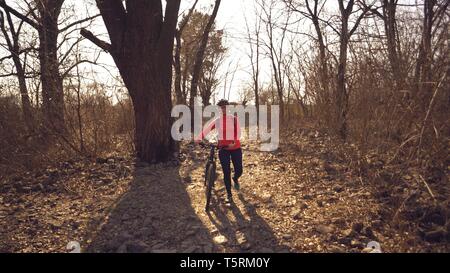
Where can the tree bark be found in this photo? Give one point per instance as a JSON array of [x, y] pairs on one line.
[[52, 82], [342, 95]]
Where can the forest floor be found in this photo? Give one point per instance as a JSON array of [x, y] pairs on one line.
[[308, 196]]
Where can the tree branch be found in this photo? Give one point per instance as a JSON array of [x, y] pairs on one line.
[[188, 16], [78, 22], [25, 50], [18, 14], [65, 73], [358, 20], [91, 37], [114, 16]]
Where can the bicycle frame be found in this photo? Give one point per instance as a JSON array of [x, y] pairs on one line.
[[212, 153], [210, 173], [211, 157]]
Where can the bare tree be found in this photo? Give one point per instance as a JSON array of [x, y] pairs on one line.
[[389, 17], [297, 77], [179, 94], [201, 52], [433, 14], [344, 37], [11, 35], [45, 21], [275, 47], [213, 60], [313, 12], [253, 39], [142, 39], [191, 38]]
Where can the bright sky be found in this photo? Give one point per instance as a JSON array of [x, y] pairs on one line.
[[231, 18]]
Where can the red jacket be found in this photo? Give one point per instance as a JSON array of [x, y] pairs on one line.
[[228, 131]]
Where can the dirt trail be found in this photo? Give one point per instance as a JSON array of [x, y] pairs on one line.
[[301, 198], [290, 202]]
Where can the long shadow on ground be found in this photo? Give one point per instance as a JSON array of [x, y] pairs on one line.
[[246, 230], [154, 215]]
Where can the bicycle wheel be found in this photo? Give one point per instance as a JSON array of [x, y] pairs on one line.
[[209, 178]]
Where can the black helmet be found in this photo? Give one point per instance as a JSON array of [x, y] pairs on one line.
[[223, 102]]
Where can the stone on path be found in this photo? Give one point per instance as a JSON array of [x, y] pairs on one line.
[[266, 197], [336, 249], [220, 240], [295, 214], [324, 229]]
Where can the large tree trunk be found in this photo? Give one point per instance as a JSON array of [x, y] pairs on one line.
[[52, 82], [141, 45], [153, 141]]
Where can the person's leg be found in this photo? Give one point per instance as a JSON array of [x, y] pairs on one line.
[[236, 157], [224, 157]]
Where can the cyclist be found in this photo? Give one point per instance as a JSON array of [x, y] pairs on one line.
[[228, 130]]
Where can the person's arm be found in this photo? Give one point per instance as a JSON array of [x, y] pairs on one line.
[[208, 128]]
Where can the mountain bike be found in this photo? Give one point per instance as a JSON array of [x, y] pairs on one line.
[[210, 172]]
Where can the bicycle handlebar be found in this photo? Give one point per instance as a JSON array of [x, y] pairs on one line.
[[208, 144]]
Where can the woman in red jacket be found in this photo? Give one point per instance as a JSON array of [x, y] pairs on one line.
[[228, 130]]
